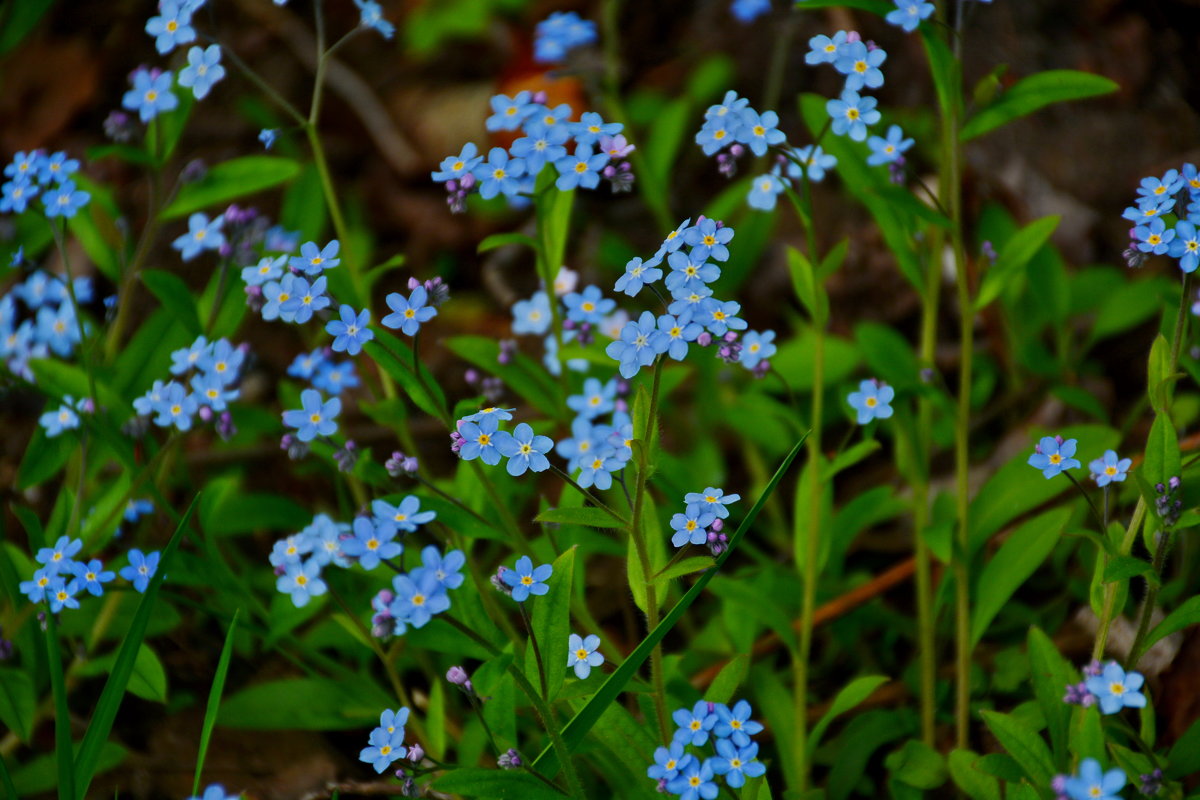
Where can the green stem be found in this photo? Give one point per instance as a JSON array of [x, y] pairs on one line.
[[62, 716], [1152, 588], [595, 500], [537, 650], [218, 298]]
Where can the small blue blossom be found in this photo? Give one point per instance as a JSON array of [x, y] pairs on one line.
[[737, 762], [500, 174], [584, 441], [860, 66], [908, 14], [560, 33], [65, 200], [371, 543], [689, 271], [756, 348], [1185, 245], [691, 527], [746, 11], [532, 315], [872, 400], [302, 582], [718, 133], [694, 725], [591, 127], [141, 568], [711, 500], [720, 316], [815, 163], [222, 360], [526, 580], [508, 113], [203, 70], [186, 358], [419, 595], [479, 440], [708, 239], [314, 260], [581, 169], [582, 654], [638, 346], [56, 167], [64, 418], [1155, 237], [371, 16], [851, 114], [759, 131], [695, 782], [267, 269], [290, 550], [1092, 783], [446, 570], [405, 516], [383, 749], [268, 136], [1166, 186], [16, 194], [1110, 468], [673, 242], [679, 331], [764, 191], [350, 332], [151, 94], [589, 306], [1115, 689], [305, 299], [92, 575], [597, 469], [306, 365], [216, 791], [735, 724], [824, 49], [409, 314], [596, 399], [35, 589], [61, 593], [638, 273], [172, 27], [335, 378], [689, 301], [60, 557], [315, 417], [668, 761], [210, 390], [453, 168], [176, 407], [202, 235], [136, 509], [1052, 455], [502, 414], [1148, 208], [888, 150]]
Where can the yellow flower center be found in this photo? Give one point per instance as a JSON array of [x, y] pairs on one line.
[[409, 313], [1117, 688], [302, 579], [709, 241], [484, 440], [172, 26], [176, 409], [1154, 238], [498, 174], [372, 543], [581, 654], [314, 418], [588, 305], [1110, 470], [526, 449], [1056, 459], [872, 402], [151, 96], [851, 114], [457, 166], [581, 167], [759, 130], [418, 600], [527, 580], [860, 67]]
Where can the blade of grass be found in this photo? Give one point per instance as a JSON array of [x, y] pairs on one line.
[[6, 780], [582, 722], [114, 688], [62, 716], [214, 702]]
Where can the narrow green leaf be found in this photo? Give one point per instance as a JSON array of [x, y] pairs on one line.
[[589, 516], [328, 705], [581, 723], [1186, 615], [173, 293], [851, 695], [1162, 452], [44, 457], [807, 287], [114, 688], [1012, 259], [1036, 91], [395, 356], [436, 720], [522, 374], [1183, 759], [10, 790], [1023, 744], [214, 701], [728, 679], [1020, 555], [1158, 367], [918, 765], [1087, 734], [504, 239], [552, 622], [1051, 674], [230, 180], [497, 784], [1122, 568]]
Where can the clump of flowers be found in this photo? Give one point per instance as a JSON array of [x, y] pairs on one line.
[[733, 755]]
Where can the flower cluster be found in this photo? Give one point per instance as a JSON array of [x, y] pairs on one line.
[[1109, 686], [386, 742], [909, 14], [419, 594], [1090, 783], [729, 731], [38, 317], [1166, 215], [479, 436], [560, 33], [581, 152], [1054, 455], [61, 578], [703, 519], [32, 172], [206, 377]]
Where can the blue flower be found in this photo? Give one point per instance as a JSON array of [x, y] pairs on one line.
[[596, 399], [371, 543], [141, 568], [65, 200], [36, 588], [209, 390], [314, 260], [408, 314], [56, 167], [136, 509], [679, 331], [746, 11], [909, 13], [314, 417], [302, 581], [532, 315], [203, 70], [405, 516], [585, 440], [759, 131], [559, 33], [60, 557], [691, 527], [736, 726], [1052, 455], [885, 151], [335, 378], [509, 112], [92, 575], [222, 360], [150, 95], [712, 500], [419, 595], [267, 269], [852, 114], [763, 192], [541, 144], [639, 344], [186, 358], [445, 569], [502, 414], [175, 407], [1148, 208], [695, 725], [1092, 783], [268, 136], [202, 235], [689, 271], [62, 419], [717, 133], [305, 365], [525, 580], [1115, 689], [860, 65], [383, 749], [707, 240], [479, 440], [391, 721], [668, 761], [305, 299], [638, 274], [815, 162], [499, 175], [453, 168], [371, 16], [1166, 186], [756, 348], [580, 169], [16, 194], [290, 550], [824, 49], [689, 301], [1110, 468], [673, 242], [872, 400], [172, 27], [597, 469], [1185, 245], [351, 331], [582, 654], [588, 306], [25, 165], [695, 781], [216, 791], [61, 593], [720, 316], [591, 127], [737, 762], [1155, 237]]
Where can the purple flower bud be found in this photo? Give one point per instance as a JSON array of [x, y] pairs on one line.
[[416, 753], [1092, 668], [458, 676], [1174, 482], [346, 456], [438, 291], [761, 369], [704, 339], [718, 525], [853, 36], [225, 427], [456, 442], [471, 377], [193, 171], [466, 183], [896, 171], [509, 760], [568, 324], [498, 580], [205, 413], [295, 448], [413, 283], [1134, 258], [731, 336], [539, 96], [1151, 783], [621, 405], [508, 348]]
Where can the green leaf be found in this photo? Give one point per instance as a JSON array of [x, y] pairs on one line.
[[728, 679], [396, 359], [496, 783], [230, 180], [1183, 759], [1051, 673], [974, 784], [17, 19], [214, 701], [105, 713], [1186, 615], [683, 567], [42, 773], [1023, 744], [17, 701], [888, 354], [851, 695], [435, 719], [176, 298], [1159, 368], [44, 457], [552, 622], [1013, 257], [1018, 558], [918, 765], [328, 705], [1162, 452], [148, 679], [63, 749], [808, 289], [581, 723], [1036, 91], [504, 239], [1122, 568], [590, 516], [553, 212], [1087, 734]]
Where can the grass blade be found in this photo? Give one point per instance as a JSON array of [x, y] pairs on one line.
[[214, 701], [62, 715], [114, 688], [582, 722], [6, 780]]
